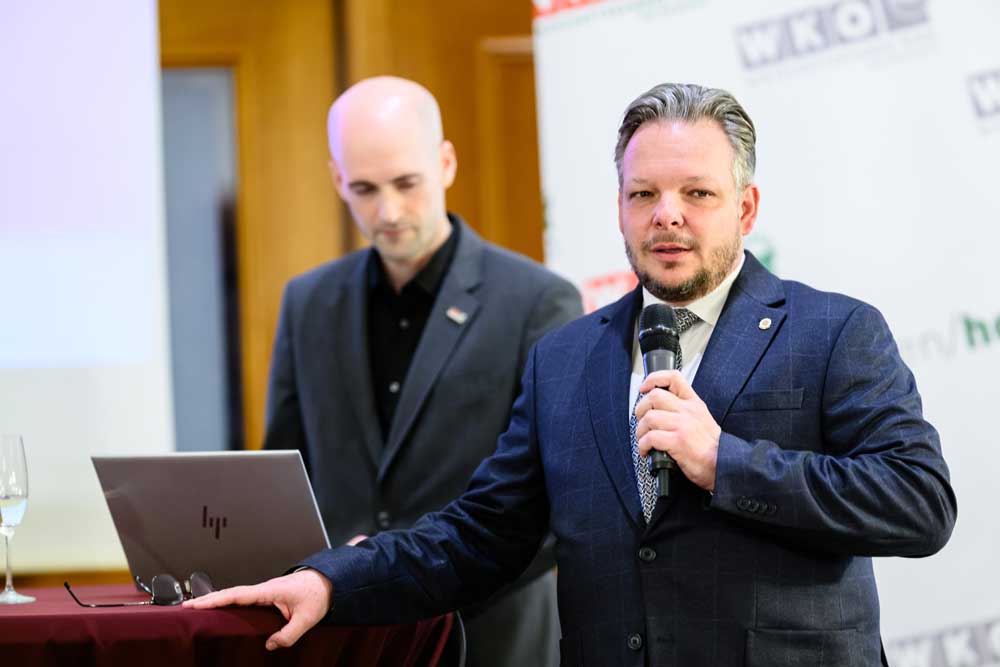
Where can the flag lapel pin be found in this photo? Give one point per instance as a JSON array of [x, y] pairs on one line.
[[456, 315]]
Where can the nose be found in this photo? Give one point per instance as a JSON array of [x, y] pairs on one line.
[[668, 211], [389, 208]]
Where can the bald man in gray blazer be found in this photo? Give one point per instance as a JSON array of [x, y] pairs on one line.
[[395, 367]]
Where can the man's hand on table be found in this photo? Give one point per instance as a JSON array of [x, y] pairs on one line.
[[302, 597]]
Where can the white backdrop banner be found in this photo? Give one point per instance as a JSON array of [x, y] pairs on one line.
[[878, 133]]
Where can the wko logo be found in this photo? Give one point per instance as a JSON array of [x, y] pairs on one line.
[[212, 522], [821, 28], [975, 645], [984, 88]]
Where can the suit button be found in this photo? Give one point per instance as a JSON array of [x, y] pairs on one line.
[[742, 503], [753, 506], [383, 520], [647, 554], [635, 641]]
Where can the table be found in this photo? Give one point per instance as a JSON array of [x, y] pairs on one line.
[[55, 631]]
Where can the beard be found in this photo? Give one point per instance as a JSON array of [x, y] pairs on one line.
[[718, 265]]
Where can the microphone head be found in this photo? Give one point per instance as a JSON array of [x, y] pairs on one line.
[[658, 329]]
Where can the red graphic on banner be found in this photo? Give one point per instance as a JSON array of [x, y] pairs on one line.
[[550, 7], [602, 290]]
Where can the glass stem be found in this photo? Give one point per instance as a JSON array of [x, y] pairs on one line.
[[6, 551]]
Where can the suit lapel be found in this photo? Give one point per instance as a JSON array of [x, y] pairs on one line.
[[606, 377], [348, 315], [453, 314], [750, 319]]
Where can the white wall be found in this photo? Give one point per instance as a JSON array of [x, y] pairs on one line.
[[83, 339]]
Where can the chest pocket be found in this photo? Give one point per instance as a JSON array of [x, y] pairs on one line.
[[778, 399]]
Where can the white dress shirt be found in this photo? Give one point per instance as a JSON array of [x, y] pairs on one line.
[[693, 341]]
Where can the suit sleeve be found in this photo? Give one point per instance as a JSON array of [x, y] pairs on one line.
[[458, 556], [557, 304], [284, 428], [880, 487]]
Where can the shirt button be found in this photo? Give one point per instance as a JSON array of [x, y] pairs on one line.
[[634, 641], [393, 387], [647, 554], [404, 323], [383, 519]]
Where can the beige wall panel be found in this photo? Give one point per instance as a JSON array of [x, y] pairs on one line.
[[287, 218], [437, 42]]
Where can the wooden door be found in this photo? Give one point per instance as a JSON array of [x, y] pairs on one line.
[[476, 58], [287, 219]]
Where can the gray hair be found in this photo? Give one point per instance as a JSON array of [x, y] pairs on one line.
[[691, 103]]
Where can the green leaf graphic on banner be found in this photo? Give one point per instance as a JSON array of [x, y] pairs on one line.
[[763, 249]]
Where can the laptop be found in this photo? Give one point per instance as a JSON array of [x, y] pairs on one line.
[[241, 517]]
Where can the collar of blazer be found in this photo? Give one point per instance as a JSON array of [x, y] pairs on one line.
[[453, 314], [736, 346], [442, 334]]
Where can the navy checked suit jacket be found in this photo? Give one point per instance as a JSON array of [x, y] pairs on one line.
[[824, 461]]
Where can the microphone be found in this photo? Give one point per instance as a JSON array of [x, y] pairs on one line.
[[659, 343]]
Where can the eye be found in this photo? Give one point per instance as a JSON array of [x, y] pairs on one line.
[[701, 194], [362, 189], [640, 194], [407, 183]]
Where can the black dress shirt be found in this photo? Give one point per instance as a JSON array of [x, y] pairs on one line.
[[396, 322]]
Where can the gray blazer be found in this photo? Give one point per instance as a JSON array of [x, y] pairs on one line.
[[456, 399]]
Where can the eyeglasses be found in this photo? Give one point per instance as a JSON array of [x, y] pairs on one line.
[[164, 589]]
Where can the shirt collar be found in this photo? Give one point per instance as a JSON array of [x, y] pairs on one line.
[[708, 307], [430, 277]]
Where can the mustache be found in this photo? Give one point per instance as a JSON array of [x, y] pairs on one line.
[[668, 237]]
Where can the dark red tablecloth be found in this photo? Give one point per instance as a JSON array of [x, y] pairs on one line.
[[55, 631]]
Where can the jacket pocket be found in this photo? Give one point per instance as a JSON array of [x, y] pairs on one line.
[[779, 399], [805, 648]]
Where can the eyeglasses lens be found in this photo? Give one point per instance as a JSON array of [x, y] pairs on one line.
[[166, 590], [199, 584]]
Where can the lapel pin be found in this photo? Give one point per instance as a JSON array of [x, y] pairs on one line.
[[457, 316], [764, 324]]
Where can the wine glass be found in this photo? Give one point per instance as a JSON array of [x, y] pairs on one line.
[[13, 502]]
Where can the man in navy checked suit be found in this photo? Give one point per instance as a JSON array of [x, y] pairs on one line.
[[795, 425]]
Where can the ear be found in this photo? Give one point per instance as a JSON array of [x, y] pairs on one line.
[[621, 224], [449, 163], [749, 201], [337, 177]]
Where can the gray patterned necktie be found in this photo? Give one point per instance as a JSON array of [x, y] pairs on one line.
[[685, 320], [648, 486]]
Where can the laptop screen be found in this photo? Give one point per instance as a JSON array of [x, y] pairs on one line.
[[240, 517]]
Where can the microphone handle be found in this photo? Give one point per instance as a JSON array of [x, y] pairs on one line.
[[660, 463]]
